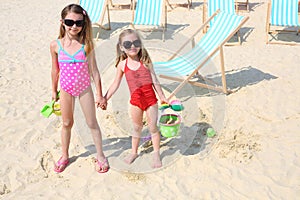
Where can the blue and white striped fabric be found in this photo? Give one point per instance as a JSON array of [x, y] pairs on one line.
[[224, 25], [94, 8], [148, 12], [284, 13], [223, 5]]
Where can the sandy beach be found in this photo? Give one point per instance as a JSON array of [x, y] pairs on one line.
[[254, 155]]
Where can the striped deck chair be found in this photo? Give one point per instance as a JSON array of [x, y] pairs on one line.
[[281, 13], [119, 6], [242, 4], [187, 65], [96, 10], [188, 4], [150, 13], [211, 6]]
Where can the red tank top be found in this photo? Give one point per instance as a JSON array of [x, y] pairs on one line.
[[137, 78]]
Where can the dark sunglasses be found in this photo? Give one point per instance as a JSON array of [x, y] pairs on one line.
[[70, 22], [128, 44]]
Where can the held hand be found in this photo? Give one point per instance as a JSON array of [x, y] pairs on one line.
[[101, 102], [103, 106]]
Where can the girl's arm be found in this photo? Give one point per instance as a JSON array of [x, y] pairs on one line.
[[157, 87], [100, 101], [115, 85], [54, 69]]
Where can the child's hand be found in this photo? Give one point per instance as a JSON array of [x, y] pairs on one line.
[[101, 102], [55, 95], [164, 100], [102, 106]]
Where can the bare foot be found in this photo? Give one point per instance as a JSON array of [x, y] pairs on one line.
[[130, 158], [156, 160]]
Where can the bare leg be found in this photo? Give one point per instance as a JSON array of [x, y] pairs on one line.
[[155, 136], [67, 110], [87, 103], [137, 117]]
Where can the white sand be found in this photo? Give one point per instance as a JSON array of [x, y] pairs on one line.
[[254, 156]]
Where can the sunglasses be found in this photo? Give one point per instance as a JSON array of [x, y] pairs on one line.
[[128, 44], [70, 22]]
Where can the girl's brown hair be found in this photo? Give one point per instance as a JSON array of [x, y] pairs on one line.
[[142, 55], [85, 35]]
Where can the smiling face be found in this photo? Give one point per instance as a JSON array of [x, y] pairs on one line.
[[71, 17], [130, 44]]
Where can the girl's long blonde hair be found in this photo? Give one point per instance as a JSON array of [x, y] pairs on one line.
[[85, 35], [142, 55]]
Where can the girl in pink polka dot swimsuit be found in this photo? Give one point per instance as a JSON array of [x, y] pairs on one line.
[[73, 65], [74, 72]]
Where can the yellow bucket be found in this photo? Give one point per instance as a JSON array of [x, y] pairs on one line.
[[56, 109]]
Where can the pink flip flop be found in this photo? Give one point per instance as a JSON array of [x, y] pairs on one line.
[[61, 166], [102, 165]]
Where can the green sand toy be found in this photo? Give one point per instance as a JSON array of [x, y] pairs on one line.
[[210, 132], [48, 109], [169, 125], [174, 105]]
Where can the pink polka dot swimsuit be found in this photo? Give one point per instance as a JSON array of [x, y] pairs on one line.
[[74, 72]]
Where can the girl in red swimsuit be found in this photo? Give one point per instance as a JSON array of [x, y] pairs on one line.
[[133, 60]]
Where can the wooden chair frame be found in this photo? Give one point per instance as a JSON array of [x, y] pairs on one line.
[[242, 4], [189, 4]]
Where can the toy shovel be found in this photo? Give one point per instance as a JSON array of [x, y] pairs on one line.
[[47, 110]]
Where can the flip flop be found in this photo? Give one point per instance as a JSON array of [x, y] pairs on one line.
[[101, 166], [61, 166]]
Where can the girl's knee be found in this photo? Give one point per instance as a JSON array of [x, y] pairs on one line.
[[137, 128], [153, 130], [92, 124], [68, 123]]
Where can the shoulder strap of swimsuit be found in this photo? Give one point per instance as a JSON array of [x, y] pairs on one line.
[[126, 67], [59, 44]]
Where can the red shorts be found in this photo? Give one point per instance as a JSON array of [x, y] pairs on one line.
[[143, 97]]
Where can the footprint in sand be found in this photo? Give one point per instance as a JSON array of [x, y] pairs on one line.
[[46, 163], [241, 147], [4, 189]]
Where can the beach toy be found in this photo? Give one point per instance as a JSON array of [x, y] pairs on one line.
[[52, 107], [169, 125], [164, 106], [146, 138], [56, 109], [175, 105], [47, 110], [175, 102], [210, 132]]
